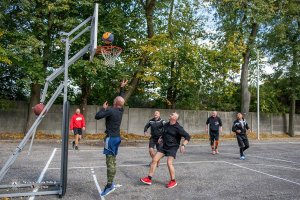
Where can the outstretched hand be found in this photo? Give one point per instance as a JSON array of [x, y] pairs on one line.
[[124, 83]]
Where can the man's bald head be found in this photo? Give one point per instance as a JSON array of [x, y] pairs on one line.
[[119, 101], [214, 113]]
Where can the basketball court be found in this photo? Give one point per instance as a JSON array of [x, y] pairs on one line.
[[270, 171]]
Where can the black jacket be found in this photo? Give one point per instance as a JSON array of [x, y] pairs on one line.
[[156, 127], [240, 125], [172, 135], [214, 123], [113, 118]]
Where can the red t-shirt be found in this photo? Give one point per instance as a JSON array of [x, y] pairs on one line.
[[77, 121]]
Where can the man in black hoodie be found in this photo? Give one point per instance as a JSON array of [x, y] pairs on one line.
[[156, 124], [240, 127], [171, 138]]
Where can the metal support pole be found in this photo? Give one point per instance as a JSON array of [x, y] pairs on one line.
[[65, 117], [258, 136], [49, 79]]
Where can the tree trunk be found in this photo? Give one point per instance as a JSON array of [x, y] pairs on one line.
[[149, 6], [245, 100], [34, 99], [133, 85], [293, 79], [171, 92], [292, 116]]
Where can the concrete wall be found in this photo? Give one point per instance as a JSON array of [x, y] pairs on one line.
[[134, 120]]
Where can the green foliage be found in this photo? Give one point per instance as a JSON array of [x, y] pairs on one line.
[[172, 63]]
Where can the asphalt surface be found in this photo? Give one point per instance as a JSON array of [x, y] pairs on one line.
[[271, 171]]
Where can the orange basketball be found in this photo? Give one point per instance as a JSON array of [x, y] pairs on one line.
[[38, 108], [108, 37]]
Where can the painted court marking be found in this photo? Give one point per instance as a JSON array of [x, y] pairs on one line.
[[278, 166], [44, 171], [277, 177], [140, 165], [287, 161], [193, 145], [97, 184]]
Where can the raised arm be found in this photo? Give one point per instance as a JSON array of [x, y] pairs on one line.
[[122, 90], [104, 112]]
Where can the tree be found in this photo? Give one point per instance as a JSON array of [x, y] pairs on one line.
[[242, 19], [33, 41], [283, 44]]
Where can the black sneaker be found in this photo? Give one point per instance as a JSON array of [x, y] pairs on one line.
[[73, 144], [76, 147]]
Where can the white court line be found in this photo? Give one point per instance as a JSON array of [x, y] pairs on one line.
[[43, 172], [287, 161], [195, 145], [97, 184], [277, 177], [139, 165], [278, 166]]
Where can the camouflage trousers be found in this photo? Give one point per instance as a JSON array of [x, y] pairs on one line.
[[111, 168]]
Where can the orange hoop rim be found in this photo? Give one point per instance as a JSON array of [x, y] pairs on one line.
[[107, 49]]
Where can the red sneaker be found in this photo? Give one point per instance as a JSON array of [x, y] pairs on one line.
[[146, 180], [172, 184]]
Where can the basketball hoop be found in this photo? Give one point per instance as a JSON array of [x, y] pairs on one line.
[[109, 53]]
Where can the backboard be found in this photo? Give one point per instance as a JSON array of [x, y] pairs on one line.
[[94, 32]]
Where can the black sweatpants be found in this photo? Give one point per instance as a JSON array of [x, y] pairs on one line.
[[243, 142]]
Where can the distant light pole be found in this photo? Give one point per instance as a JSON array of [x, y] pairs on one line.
[[257, 95]]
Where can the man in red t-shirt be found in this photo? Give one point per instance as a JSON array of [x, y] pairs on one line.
[[77, 125]]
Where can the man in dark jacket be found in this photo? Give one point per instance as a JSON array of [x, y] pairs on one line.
[[171, 138], [156, 124], [240, 127], [214, 126], [113, 119]]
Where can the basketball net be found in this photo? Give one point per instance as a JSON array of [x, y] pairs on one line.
[[109, 53]]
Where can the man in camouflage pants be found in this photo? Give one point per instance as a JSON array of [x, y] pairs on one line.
[[113, 118]]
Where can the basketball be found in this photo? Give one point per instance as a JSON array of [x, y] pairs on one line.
[[108, 37], [38, 108]]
